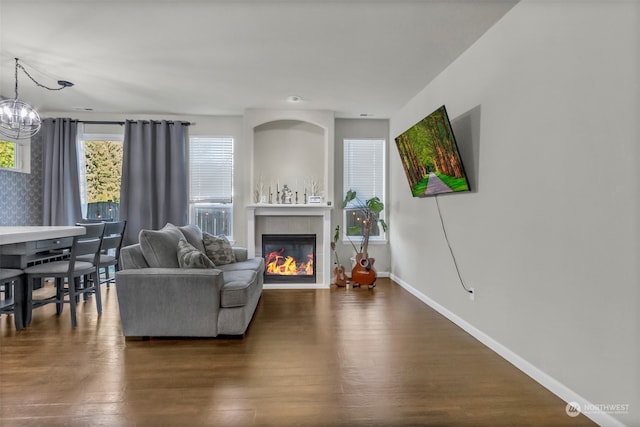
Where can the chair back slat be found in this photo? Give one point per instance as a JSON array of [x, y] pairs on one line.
[[110, 242], [87, 246], [90, 243], [113, 228], [113, 233], [93, 230]]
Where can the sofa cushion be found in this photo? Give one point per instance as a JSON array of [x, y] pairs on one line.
[[190, 257], [239, 253], [218, 249], [237, 288], [193, 234], [160, 247], [254, 264], [131, 257]]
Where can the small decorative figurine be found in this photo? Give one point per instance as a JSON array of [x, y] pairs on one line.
[[286, 195]]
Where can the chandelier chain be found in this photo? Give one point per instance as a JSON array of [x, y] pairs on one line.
[[19, 120], [16, 78], [32, 79]]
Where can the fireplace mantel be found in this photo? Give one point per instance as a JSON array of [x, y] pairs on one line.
[[295, 210], [309, 209]]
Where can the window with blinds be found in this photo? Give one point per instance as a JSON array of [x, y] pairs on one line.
[[211, 183], [364, 172]]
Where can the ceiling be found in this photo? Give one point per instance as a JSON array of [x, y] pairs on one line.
[[221, 57]]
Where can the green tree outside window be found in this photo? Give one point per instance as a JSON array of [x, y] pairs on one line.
[[104, 170], [7, 154]]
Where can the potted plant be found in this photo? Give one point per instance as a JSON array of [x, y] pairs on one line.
[[363, 272]]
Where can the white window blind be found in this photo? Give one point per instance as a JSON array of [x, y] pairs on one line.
[[364, 167], [211, 170]]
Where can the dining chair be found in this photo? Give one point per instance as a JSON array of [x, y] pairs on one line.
[[88, 257], [110, 250], [11, 280], [71, 269], [89, 221]]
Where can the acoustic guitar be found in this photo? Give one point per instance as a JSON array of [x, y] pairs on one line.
[[339, 277], [363, 273]]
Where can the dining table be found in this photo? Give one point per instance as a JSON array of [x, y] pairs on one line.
[[24, 246]]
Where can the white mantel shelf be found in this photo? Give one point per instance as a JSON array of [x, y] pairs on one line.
[[310, 209], [317, 210]]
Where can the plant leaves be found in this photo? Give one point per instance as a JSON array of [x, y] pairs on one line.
[[355, 230], [351, 195], [375, 205], [370, 209]]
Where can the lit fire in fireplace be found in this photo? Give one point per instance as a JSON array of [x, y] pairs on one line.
[[277, 263]]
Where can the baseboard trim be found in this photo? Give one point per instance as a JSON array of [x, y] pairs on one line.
[[548, 382], [295, 286]]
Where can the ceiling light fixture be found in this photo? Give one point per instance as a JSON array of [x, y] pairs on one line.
[[294, 99], [19, 120]]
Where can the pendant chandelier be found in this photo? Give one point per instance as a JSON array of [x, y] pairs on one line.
[[19, 120]]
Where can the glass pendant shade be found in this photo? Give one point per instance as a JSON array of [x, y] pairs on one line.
[[18, 120]]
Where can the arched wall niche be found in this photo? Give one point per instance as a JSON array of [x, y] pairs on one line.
[[291, 153], [290, 147]]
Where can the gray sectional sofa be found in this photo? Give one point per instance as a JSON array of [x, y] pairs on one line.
[[157, 297]]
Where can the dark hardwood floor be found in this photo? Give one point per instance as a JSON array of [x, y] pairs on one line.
[[339, 357]]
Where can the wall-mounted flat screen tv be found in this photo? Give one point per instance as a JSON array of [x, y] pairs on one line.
[[430, 156]]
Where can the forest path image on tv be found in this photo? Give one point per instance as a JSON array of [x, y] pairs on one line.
[[430, 156], [435, 185]]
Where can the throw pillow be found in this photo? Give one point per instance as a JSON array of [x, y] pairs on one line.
[[160, 247], [218, 249], [190, 257], [193, 234]]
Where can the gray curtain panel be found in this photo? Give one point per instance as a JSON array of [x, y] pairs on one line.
[[61, 188], [153, 189]]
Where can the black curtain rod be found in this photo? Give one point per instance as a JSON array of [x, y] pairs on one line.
[[101, 122]]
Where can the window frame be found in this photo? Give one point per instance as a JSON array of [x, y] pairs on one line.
[[382, 237], [21, 154], [193, 203], [81, 139]]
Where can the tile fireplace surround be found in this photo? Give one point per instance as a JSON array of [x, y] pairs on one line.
[[293, 219]]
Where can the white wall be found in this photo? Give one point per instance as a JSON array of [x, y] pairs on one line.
[[290, 153], [355, 129], [546, 109]]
